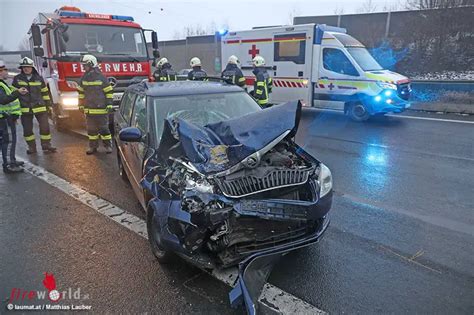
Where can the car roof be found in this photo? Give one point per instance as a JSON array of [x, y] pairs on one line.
[[178, 88]]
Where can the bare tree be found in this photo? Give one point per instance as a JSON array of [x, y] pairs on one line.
[[292, 14], [436, 4], [24, 43], [339, 10], [368, 6], [198, 29]]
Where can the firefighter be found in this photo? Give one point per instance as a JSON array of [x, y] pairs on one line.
[[164, 71], [95, 101], [197, 74], [263, 82], [35, 103], [10, 110], [232, 73]]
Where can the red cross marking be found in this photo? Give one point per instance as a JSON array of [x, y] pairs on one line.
[[254, 51]]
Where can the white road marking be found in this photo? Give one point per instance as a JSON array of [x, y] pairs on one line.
[[432, 119], [271, 297]]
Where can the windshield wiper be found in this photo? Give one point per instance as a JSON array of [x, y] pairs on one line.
[[130, 58]]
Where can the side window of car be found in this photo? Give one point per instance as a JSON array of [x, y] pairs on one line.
[[139, 119], [126, 106], [335, 60]]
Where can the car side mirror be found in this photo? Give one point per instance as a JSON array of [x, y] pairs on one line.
[[130, 134]]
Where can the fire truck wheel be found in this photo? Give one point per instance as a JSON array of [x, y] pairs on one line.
[[358, 112]]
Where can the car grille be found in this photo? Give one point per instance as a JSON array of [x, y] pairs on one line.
[[254, 183]]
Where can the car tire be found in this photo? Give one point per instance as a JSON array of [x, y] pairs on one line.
[[163, 256], [358, 112], [122, 172], [60, 124]]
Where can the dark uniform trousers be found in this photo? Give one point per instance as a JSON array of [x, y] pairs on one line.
[[5, 122], [98, 127], [45, 134]]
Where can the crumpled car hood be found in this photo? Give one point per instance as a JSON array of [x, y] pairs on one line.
[[220, 146]]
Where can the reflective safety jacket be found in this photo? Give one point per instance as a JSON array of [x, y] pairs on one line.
[[262, 86], [165, 74], [37, 99], [95, 93], [233, 75], [197, 74], [9, 103]]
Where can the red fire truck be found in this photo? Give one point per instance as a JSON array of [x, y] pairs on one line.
[[59, 39]]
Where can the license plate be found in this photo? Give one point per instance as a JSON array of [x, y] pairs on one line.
[[117, 97]]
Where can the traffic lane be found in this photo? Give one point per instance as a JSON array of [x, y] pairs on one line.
[[49, 231], [373, 261], [427, 136], [417, 180], [98, 173]]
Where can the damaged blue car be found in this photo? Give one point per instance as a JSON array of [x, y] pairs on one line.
[[222, 181]]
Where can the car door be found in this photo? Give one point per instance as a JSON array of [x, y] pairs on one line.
[[138, 149], [122, 120], [335, 77]]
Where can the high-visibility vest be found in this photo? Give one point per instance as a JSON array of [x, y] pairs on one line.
[[12, 108]]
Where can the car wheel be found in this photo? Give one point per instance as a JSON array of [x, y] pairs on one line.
[[154, 232], [60, 124], [358, 112], [122, 172]]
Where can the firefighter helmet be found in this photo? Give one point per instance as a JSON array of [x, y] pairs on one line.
[[195, 62], [234, 60], [162, 62], [26, 62], [258, 61], [89, 60]]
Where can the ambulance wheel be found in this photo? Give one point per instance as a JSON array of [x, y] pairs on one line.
[[358, 112], [154, 237]]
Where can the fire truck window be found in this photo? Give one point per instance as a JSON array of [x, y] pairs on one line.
[[335, 60], [139, 114], [290, 48], [126, 106], [104, 40]]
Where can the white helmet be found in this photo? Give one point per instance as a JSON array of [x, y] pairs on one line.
[[258, 61], [195, 62], [89, 60], [234, 60], [26, 62], [161, 62]]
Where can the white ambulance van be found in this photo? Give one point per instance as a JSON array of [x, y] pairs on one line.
[[322, 66]]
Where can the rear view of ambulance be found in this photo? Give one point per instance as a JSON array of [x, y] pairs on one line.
[[323, 67]]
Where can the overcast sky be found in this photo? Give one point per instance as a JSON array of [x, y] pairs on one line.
[[168, 17]]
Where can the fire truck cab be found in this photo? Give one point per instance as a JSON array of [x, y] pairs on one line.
[[59, 39], [322, 66]]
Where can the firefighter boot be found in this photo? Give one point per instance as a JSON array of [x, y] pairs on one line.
[[49, 148], [31, 148]]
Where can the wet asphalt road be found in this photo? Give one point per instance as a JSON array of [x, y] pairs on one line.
[[400, 241]]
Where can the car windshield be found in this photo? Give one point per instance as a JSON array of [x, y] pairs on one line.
[[102, 40], [202, 109], [364, 59]]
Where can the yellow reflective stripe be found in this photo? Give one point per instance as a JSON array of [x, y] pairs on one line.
[[258, 92], [265, 101], [106, 137], [39, 109], [25, 110], [109, 107], [45, 89], [35, 83], [30, 138], [23, 83], [242, 79], [260, 83], [79, 88], [96, 137], [92, 82], [110, 95], [45, 137], [81, 95], [46, 97], [95, 111], [108, 89]]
